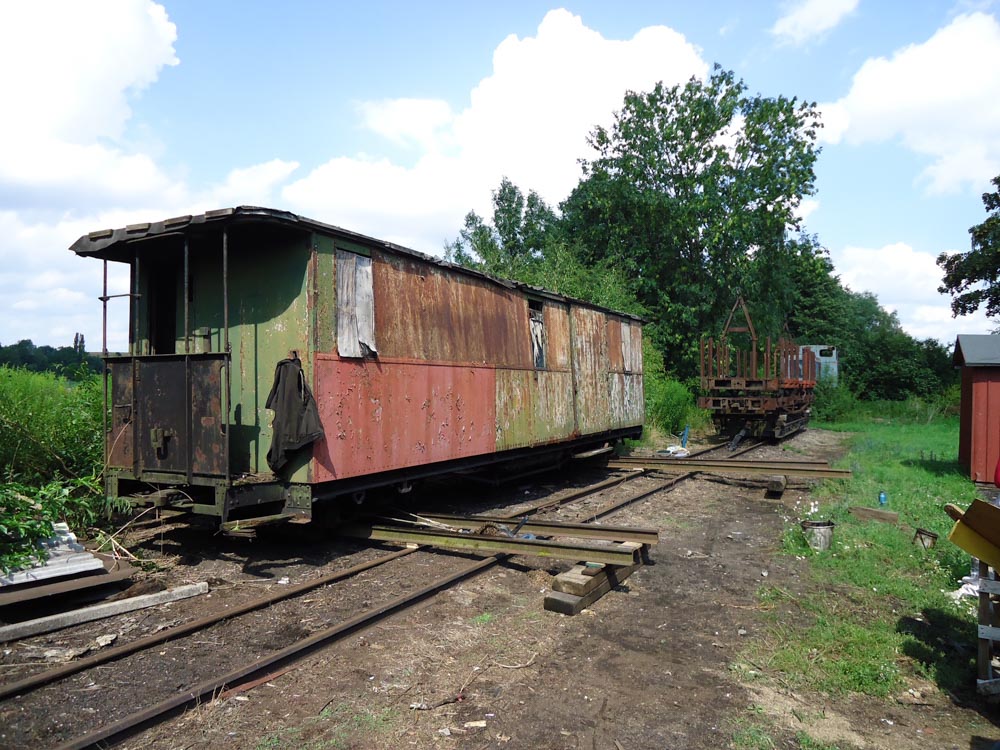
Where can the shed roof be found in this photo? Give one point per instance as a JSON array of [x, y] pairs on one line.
[[977, 350], [116, 244]]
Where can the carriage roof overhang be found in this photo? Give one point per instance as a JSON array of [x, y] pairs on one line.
[[119, 244]]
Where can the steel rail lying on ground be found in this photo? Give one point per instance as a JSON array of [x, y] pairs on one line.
[[546, 528], [609, 554], [634, 473], [788, 468], [43, 678], [211, 687]]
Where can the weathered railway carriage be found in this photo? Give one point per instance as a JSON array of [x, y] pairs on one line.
[[380, 365]]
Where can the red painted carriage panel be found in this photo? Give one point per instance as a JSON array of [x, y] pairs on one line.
[[385, 414]]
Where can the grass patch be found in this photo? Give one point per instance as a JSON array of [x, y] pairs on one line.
[[879, 614], [336, 728]]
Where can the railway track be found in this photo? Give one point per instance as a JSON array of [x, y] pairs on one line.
[[38, 693]]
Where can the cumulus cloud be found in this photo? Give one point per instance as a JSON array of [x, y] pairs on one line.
[[528, 120], [70, 69], [940, 98], [906, 281], [808, 19]]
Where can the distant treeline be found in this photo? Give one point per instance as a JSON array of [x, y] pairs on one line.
[[72, 362]]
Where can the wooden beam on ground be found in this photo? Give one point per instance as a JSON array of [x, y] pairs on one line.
[[626, 553], [776, 485], [98, 612], [596, 586], [875, 514]]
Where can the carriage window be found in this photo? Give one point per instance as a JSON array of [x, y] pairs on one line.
[[536, 321], [355, 306]]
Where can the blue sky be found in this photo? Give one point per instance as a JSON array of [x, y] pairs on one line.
[[396, 118]]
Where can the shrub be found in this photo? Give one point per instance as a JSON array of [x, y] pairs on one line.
[[834, 403], [49, 426]]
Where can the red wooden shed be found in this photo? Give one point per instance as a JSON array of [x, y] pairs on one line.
[[979, 427]]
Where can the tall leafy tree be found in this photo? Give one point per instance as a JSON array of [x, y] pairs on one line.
[[973, 278], [512, 245], [692, 192]]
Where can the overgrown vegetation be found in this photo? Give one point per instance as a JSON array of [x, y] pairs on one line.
[[50, 459], [880, 615]]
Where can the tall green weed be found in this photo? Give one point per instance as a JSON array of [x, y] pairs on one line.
[[49, 426], [50, 459]]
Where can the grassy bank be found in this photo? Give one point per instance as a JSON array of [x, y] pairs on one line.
[[880, 616]]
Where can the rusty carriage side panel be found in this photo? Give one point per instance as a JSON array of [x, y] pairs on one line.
[[430, 393], [625, 386], [535, 406], [588, 330]]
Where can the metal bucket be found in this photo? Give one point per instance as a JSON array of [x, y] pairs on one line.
[[818, 534]]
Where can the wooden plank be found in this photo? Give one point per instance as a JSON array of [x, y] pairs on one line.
[[777, 484], [568, 604], [875, 514], [98, 612], [578, 583]]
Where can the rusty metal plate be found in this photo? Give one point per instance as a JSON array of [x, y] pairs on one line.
[[436, 314], [149, 395], [533, 408], [119, 438], [383, 415], [616, 360], [557, 354], [626, 397], [590, 356]]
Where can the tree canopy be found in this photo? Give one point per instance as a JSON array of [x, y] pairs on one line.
[[972, 278], [692, 200], [692, 192]]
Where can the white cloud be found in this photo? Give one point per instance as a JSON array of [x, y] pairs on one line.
[[906, 281], [807, 208], [528, 121], [808, 19], [940, 98], [70, 69], [250, 186], [409, 122]]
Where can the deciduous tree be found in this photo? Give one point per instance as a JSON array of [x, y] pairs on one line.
[[972, 278], [692, 192]]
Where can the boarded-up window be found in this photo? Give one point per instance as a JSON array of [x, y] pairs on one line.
[[627, 346], [355, 306], [536, 321]]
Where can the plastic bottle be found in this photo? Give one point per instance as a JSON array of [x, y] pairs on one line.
[[882, 499]]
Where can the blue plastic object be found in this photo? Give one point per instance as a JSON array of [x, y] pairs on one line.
[[882, 499], [684, 436]]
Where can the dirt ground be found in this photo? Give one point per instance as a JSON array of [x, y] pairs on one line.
[[654, 664]]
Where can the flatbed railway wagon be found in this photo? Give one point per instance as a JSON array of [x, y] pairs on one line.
[[275, 361], [752, 390]]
